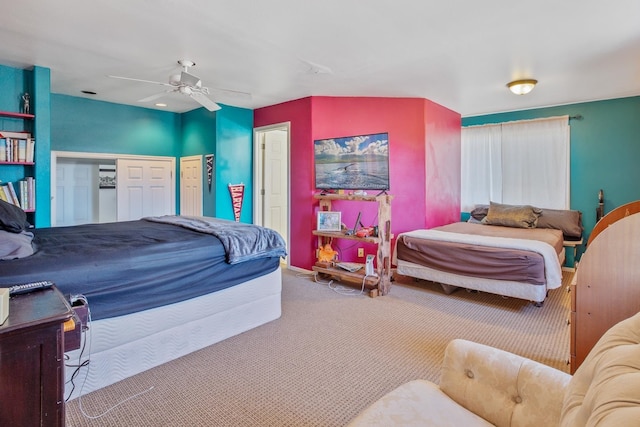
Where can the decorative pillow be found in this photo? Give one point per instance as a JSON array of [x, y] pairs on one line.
[[12, 218], [15, 245], [479, 212], [525, 216], [568, 221]]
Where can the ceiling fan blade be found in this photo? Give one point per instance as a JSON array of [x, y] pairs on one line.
[[140, 80], [189, 79], [156, 96], [231, 93], [204, 101]]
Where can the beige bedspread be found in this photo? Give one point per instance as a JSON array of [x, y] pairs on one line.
[[493, 252]]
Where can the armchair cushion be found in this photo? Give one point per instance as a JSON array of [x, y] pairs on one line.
[[480, 386], [501, 387], [605, 390], [417, 403]]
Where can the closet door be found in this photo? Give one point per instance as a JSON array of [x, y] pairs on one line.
[[191, 186], [145, 187], [75, 195]]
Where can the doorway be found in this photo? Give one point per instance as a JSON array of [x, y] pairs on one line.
[[271, 178]]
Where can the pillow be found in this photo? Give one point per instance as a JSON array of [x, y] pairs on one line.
[[12, 218], [479, 212], [525, 216], [15, 245], [568, 221]]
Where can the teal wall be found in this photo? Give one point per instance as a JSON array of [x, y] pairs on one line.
[[42, 130], [234, 160], [605, 151], [199, 138], [85, 125], [13, 83]]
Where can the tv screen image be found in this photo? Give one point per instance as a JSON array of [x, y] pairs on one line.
[[352, 163]]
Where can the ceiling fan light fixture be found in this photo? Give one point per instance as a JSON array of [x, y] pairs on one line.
[[522, 87]]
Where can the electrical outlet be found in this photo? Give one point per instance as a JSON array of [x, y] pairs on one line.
[[360, 252]]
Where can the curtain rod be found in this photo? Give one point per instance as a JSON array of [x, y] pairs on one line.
[[576, 117]]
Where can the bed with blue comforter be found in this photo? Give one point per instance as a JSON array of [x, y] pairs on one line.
[[123, 267], [156, 289]]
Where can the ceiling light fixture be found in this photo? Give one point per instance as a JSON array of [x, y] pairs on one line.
[[161, 104], [522, 87]]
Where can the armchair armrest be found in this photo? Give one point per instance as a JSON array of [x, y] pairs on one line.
[[501, 387]]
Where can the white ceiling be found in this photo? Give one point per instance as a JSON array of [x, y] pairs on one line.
[[458, 53]]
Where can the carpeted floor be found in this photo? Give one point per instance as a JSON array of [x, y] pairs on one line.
[[328, 357]]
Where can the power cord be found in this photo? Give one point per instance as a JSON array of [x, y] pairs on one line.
[[344, 290], [86, 363]]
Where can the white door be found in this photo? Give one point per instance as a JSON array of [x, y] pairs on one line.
[[272, 178], [75, 183], [144, 188], [191, 186]]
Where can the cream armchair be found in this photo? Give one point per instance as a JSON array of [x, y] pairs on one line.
[[485, 386]]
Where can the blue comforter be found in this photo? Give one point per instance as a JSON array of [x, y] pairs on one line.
[[242, 242]]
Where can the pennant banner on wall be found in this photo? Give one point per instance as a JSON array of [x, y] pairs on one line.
[[209, 158], [237, 194]]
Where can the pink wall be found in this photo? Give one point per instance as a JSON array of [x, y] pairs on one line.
[[415, 126], [442, 201]]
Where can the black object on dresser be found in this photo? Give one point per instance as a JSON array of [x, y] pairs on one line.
[[31, 359]]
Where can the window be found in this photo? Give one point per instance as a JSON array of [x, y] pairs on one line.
[[524, 162]]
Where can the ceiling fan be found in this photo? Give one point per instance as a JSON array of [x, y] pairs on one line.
[[184, 83]]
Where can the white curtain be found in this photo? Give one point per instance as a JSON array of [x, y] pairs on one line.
[[481, 167], [524, 162]]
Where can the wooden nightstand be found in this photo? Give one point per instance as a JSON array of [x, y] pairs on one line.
[[31, 360]]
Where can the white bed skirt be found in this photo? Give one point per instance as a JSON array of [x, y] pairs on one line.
[[127, 345], [525, 291]]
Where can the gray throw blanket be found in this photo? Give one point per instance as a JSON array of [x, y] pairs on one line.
[[242, 242]]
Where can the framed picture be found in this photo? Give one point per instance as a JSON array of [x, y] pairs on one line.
[[329, 221], [107, 177]]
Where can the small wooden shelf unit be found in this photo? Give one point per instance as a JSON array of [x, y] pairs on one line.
[[381, 284]]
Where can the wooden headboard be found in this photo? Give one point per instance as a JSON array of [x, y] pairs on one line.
[[613, 216], [607, 286]]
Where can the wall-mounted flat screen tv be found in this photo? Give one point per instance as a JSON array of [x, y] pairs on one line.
[[352, 163]]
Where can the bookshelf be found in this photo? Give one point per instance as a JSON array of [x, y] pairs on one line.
[[17, 150], [381, 284]]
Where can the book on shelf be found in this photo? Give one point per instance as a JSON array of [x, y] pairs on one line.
[[16, 135], [9, 193], [24, 197], [14, 195], [16, 147], [27, 194], [30, 149], [3, 195], [22, 150]]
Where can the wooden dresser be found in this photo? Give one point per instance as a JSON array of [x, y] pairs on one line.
[[606, 289], [31, 360]]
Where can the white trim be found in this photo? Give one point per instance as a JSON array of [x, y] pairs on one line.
[[258, 175]]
